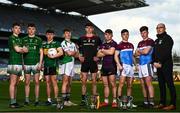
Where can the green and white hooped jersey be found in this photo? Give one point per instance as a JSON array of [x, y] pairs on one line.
[[67, 46]]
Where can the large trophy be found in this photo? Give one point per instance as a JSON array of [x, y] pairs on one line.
[[95, 101], [60, 103]]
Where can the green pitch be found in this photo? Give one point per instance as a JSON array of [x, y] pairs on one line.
[[75, 97]]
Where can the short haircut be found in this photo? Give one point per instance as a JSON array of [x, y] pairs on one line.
[[124, 30], [89, 24], [31, 25], [66, 30], [143, 28], [49, 31], [109, 31], [15, 24]]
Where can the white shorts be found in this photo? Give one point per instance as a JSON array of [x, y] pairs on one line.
[[145, 70], [127, 71], [15, 69], [67, 69]]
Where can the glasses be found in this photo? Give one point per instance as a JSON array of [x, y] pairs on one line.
[[159, 27]]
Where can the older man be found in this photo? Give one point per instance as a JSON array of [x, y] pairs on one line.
[[164, 64]]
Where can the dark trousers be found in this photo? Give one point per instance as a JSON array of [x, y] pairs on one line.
[[165, 76]]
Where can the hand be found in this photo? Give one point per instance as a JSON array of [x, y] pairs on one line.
[[25, 49], [120, 67], [136, 68], [157, 65], [39, 67], [95, 59], [81, 59]]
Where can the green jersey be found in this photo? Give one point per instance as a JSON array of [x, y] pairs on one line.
[[15, 58], [49, 62], [33, 44], [67, 46]]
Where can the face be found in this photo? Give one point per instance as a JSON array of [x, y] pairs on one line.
[[160, 28], [67, 34], [144, 34], [50, 36], [108, 36], [89, 29], [16, 30], [125, 36], [31, 30]]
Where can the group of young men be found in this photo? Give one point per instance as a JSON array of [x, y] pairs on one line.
[[31, 55]]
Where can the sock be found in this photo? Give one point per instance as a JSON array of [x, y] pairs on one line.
[[67, 96], [13, 101], [64, 96], [37, 99], [27, 99], [145, 100], [49, 99], [83, 97], [114, 100], [151, 100], [106, 100]]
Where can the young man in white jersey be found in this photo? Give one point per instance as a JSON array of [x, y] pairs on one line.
[[67, 68]]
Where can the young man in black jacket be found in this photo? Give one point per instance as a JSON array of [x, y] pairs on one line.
[[164, 64]]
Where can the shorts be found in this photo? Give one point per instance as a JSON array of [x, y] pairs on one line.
[[50, 71], [15, 69], [89, 66], [67, 69], [31, 69], [145, 70], [108, 71], [127, 71]]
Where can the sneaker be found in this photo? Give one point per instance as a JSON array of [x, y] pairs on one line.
[[47, 103], [71, 103], [103, 104], [66, 103], [26, 103], [14, 105], [83, 103], [36, 103], [114, 105], [145, 105]]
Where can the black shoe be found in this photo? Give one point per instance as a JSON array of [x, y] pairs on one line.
[[36, 103], [83, 103], [150, 105], [145, 105], [47, 103], [14, 105], [26, 103]]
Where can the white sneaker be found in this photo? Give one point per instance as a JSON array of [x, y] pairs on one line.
[[66, 103], [71, 103]]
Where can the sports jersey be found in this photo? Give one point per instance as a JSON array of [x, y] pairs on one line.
[[14, 57], [145, 58], [108, 60], [49, 62], [33, 44], [126, 52], [88, 46], [67, 46]]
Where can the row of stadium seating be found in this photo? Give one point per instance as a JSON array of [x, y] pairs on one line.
[[43, 20]]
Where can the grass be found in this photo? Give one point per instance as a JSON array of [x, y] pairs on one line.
[[75, 97]]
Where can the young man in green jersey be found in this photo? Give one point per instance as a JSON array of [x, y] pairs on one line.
[[15, 62], [32, 61], [50, 64], [67, 67]]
